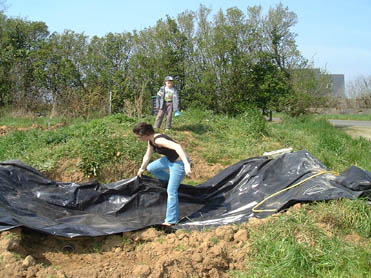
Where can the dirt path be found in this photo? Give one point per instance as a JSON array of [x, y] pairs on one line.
[[355, 129], [350, 123]]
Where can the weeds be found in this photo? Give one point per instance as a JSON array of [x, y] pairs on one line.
[[311, 242], [126, 241], [331, 146], [294, 245], [214, 240], [96, 143], [98, 246], [346, 216], [181, 247], [103, 144]]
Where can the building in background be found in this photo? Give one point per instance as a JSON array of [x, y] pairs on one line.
[[336, 85]]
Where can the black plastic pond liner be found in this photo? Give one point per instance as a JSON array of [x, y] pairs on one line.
[[255, 187]]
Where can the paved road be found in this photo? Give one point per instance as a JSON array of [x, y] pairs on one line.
[[342, 123], [350, 123]]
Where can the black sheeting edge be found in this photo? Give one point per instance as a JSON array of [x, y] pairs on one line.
[[30, 199]]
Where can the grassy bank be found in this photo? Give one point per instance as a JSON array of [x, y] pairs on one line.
[[106, 149], [315, 240], [325, 239]]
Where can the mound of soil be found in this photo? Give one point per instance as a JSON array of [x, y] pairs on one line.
[[151, 253]]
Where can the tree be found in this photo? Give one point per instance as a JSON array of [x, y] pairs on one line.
[[186, 26], [204, 80], [279, 39], [268, 84], [60, 69], [144, 67], [108, 71], [158, 51], [5, 62], [225, 63], [20, 40], [360, 87]]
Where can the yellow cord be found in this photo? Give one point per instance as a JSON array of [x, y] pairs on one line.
[[287, 188]]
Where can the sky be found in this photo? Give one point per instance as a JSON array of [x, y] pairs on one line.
[[334, 35]]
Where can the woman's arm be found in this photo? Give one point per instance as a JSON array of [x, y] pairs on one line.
[[146, 159], [163, 142]]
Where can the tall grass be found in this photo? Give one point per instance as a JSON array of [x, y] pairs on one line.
[[221, 138], [336, 149], [8, 120], [323, 240], [107, 143], [95, 142]]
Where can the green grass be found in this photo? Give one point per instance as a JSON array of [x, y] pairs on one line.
[[226, 139], [95, 142], [303, 244], [311, 242], [28, 121], [214, 138], [336, 149], [358, 117]]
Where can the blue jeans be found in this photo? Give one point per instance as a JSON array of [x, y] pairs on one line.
[[177, 172]]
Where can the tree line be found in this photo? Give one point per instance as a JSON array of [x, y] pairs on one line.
[[226, 62]]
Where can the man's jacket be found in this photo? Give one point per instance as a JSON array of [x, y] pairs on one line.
[[160, 99]]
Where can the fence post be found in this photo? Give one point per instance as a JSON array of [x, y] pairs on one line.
[[109, 102]]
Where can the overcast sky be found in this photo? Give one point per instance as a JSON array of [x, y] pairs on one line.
[[335, 35]]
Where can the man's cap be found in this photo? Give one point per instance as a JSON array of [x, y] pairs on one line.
[[169, 78]]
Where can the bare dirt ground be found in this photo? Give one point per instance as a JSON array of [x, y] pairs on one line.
[[356, 129], [147, 253], [358, 132]]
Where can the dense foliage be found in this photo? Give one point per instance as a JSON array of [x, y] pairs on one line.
[[227, 63]]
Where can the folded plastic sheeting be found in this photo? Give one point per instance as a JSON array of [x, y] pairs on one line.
[[255, 187]]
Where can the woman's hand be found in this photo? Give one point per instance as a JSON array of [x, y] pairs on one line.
[[187, 169], [140, 172]]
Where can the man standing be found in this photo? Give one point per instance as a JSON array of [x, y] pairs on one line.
[[167, 101]]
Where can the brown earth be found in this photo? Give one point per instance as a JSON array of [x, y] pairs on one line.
[[147, 253], [358, 132]]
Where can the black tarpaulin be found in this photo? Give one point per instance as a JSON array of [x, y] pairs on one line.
[[255, 187]]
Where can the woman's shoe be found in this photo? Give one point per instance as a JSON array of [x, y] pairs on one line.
[[168, 224]]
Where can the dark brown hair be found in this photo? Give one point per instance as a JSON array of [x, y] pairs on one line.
[[143, 129]]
